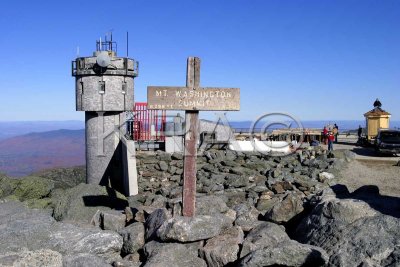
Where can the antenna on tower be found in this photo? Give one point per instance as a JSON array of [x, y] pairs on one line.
[[127, 43], [77, 51]]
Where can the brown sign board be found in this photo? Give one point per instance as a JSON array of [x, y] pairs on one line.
[[184, 98]]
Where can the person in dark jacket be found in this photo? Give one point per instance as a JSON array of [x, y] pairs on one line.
[[335, 131]]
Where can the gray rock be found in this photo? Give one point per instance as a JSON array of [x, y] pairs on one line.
[[235, 196], [264, 204], [283, 211], [32, 187], [352, 233], [246, 217], [209, 205], [154, 221], [162, 155], [135, 257], [189, 229], [36, 229], [163, 166], [81, 203], [170, 254], [7, 185], [324, 176], [177, 156], [287, 254], [222, 249], [84, 259], [112, 220], [263, 235], [24, 257], [234, 180], [393, 260], [133, 238]]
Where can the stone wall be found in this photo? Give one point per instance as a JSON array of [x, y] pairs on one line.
[[253, 178]]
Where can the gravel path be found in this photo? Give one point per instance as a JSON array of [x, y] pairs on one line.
[[383, 174]]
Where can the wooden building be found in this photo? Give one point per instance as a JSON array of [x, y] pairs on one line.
[[376, 119]]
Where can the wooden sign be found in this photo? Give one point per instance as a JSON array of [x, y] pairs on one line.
[[183, 98], [192, 98]]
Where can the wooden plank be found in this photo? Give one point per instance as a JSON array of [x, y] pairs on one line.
[[193, 98], [191, 139]]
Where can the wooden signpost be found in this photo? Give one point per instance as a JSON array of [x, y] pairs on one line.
[[192, 98]]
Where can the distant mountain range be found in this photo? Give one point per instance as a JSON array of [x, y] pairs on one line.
[[24, 154], [14, 128]]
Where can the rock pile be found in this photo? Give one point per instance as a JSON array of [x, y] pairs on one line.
[[245, 207], [254, 184]]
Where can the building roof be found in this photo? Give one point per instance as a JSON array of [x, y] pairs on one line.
[[376, 112]]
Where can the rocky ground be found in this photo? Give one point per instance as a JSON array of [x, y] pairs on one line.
[[251, 210]]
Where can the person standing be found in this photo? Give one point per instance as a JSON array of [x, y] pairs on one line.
[[359, 132], [331, 138], [336, 131], [325, 135]]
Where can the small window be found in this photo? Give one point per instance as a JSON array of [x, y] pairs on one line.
[[124, 86], [102, 87]]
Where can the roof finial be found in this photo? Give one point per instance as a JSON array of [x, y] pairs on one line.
[[377, 103]]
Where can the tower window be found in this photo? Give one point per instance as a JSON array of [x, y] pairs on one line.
[[102, 87]]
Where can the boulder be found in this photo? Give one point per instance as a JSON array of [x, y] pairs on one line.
[[189, 229], [81, 203], [133, 238], [265, 234], [325, 176], [24, 257], [7, 186], [170, 254], [154, 221], [291, 254], [222, 249], [352, 233], [286, 209], [246, 217], [265, 203], [113, 220], [32, 187], [36, 229], [64, 177], [162, 166]]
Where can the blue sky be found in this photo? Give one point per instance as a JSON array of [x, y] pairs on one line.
[[317, 60]]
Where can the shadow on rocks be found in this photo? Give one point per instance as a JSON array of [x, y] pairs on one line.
[[110, 200], [387, 205]]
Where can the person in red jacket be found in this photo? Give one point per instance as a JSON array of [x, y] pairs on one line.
[[331, 138], [325, 135]]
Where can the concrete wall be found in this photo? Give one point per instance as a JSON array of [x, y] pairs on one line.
[[222, 132]]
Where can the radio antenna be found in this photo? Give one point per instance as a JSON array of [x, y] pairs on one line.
[[127, 43]]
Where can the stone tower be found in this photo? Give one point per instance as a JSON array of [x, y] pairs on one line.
[[104, 90]]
